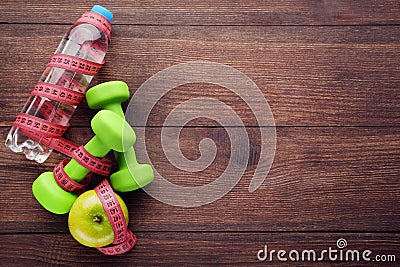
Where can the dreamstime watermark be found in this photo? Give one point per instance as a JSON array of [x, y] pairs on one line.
[[157, 86], [338, 253]]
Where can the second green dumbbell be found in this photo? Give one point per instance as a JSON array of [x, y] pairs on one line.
[[131, 174]]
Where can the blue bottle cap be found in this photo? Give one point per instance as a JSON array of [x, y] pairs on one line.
[[103, 11]]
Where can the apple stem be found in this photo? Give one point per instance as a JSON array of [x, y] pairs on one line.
[[96, 219]]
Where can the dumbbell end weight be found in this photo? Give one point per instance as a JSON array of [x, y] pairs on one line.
[[132, 178], [113, 130], [131, 174], [109, 96], [51, 196]]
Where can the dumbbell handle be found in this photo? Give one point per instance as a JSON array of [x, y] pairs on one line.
[[129, 155], [123, 158], [116, 108]]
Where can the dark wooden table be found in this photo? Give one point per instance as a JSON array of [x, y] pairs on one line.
[[330, 73]]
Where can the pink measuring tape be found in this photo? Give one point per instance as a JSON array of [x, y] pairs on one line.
[[97, 20], [64, 181], [74, 64], [58, 93], [124, 239], [42, 130]]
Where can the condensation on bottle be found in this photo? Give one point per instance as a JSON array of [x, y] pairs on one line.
[[84, 41]]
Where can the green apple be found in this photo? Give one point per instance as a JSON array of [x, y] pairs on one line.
[[88, 221]]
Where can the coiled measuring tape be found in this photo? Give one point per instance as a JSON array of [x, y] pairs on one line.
[[48, 131]]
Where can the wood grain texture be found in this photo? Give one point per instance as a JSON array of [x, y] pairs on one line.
[[330, 73], [335, 76], [192, 249], [326, 179], [225, 12]]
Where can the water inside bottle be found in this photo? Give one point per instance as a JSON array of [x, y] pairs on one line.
[[84, 41]]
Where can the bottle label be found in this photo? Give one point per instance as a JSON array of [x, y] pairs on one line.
[[97, 20], [124, 239]]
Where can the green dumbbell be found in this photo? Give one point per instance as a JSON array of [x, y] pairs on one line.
[[131, 174], [111, 132]]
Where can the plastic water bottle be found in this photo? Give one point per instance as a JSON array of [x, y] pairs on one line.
[[85, 41]]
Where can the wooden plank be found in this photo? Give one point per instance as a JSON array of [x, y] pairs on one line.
[[311, 76], [194, 249], [208, 12], [322, 178]]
